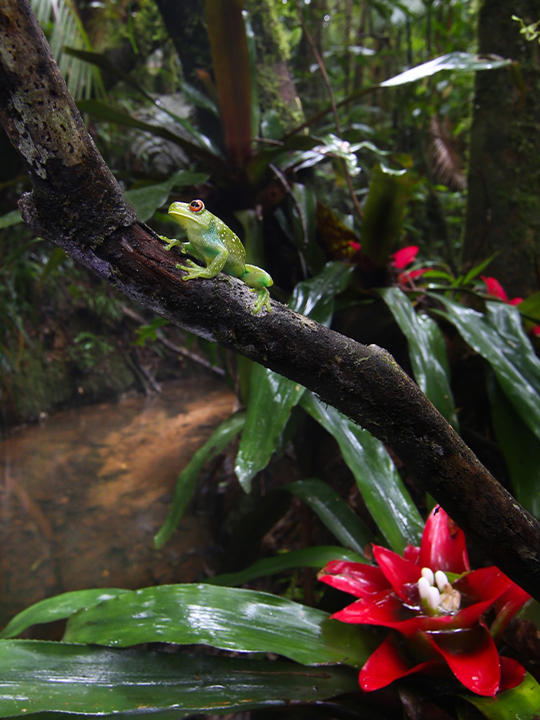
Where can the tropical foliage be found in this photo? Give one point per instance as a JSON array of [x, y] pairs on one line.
[[340, 209]]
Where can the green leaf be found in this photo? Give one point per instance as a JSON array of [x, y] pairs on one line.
[[10, 218], [313, 557], [389, 192], [531, 306], [476, 270], [147, 199], [271, 396], [334, 513], [48, 677], [427, 352], [520, 703], [57, 608], [520, 448], [499, 338], [386, 498], [226, 618], [457, 61], [187, 480]]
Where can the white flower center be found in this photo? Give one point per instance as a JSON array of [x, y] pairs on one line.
[[437, 596]]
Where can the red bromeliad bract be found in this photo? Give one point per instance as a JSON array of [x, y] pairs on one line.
[[438, 607]]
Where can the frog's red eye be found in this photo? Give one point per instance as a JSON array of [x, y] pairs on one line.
[[196, 205]]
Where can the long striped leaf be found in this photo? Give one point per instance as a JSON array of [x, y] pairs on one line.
[[386, 498], [272, 397], [427, 352], [226, 618], [48, 677], [313, 557], [499, 338]]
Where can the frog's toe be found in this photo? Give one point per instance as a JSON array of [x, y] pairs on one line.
[[263, 299]]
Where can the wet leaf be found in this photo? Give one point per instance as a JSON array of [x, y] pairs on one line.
[[334, 513], [383, 492], [226, 618], [187, 480], [314, 557], [519, 703], [48, 677], [457, 61], [271, 396], [427, 352], [10, 218], [499, 338], [520, 448], [147, 199], [55, 608]]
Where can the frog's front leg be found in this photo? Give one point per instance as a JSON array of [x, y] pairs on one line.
[[212, 268], [185, 247]]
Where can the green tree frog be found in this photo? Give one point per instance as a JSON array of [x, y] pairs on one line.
[[215, 244]]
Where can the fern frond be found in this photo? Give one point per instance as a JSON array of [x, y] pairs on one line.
[[62, 24]]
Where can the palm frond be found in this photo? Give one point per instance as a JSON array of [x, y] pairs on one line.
[[62, 25]]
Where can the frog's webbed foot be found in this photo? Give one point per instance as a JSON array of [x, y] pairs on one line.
[[263, 299], [172, 242], [193, 270]]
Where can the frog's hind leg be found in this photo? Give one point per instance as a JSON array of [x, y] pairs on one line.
[[258, 279]]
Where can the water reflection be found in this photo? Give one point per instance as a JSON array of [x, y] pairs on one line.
[[82, 494]]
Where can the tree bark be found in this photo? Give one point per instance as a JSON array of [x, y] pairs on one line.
[[503, 206], [77, 205]]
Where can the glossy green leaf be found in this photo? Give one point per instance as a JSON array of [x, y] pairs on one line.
[[222, 617], [384, 494], [427, 352], [389, 192], [520, 703], [48, 677], [334, 513], [147, 199], [271, 396], [499, 338], [313, 557], [57, 608], [457, 61], [187, 480], [520, 448], [531, 306], [230, 55], [10, 218]]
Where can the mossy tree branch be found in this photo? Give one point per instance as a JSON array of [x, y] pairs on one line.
[[76, 204]]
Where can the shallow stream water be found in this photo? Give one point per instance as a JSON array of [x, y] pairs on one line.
[[83, 493]]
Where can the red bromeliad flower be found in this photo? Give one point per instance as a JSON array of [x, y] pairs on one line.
[[438, 608], [405, 257], [495, 288]]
